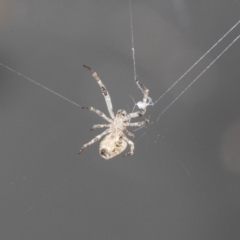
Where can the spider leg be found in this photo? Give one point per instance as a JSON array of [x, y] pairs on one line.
[[101, 114], [104, 92], [131, 144], [145, 98], [94, 140], [137, 124], [99, 126], [129, 133]]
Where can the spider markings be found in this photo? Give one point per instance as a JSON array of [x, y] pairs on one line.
[[115, 140]]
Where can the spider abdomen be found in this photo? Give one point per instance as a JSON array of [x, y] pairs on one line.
[[112, 145]]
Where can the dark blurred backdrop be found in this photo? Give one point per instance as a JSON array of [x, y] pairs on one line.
[[183, 180]]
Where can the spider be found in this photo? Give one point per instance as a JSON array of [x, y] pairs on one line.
[[115, 141]]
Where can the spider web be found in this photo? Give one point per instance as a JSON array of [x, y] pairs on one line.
[[156, 125], [191, 67]]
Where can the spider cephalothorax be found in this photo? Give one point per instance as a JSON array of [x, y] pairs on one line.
[[115, 140]]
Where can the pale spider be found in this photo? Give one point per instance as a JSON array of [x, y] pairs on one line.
[[116, 141]]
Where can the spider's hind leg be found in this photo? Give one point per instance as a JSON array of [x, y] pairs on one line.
[[94, 140], [129, 133], [131, 144]]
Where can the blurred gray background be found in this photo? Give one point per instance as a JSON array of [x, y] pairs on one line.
[[183, 181]]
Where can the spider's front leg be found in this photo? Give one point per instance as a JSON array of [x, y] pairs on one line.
[[105, 92], [99, 113], [138, 124], [100, 126], [94, 140], [141, 111]]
